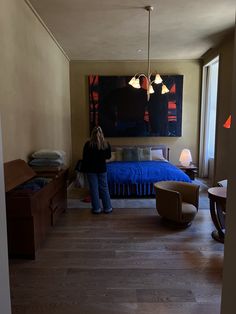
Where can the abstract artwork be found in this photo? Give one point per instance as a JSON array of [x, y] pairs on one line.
[[123, 111]]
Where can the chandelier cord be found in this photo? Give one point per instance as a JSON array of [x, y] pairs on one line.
[[149, 42]]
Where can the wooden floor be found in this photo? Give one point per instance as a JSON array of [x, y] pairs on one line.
[[125, 262]]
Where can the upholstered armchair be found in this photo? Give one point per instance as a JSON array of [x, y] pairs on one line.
[[177, 202]]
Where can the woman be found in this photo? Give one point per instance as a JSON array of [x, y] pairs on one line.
[[95, 153]]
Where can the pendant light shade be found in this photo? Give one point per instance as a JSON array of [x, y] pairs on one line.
[[150, 89], [164, 89], [158, 79], [134, 82]]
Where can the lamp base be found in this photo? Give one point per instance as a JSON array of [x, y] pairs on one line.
[[185, 164]]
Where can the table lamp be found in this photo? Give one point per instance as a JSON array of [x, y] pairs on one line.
[[185, 157]]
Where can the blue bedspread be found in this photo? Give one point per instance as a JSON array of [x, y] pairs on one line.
[[141, 174]]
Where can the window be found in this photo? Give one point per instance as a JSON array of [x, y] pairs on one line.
[[208, 117]]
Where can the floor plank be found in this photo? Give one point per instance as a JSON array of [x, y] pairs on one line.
[[124, 262]]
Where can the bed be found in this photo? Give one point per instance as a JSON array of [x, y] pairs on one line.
[[131, 171]]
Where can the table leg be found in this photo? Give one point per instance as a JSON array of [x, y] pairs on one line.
[[216, 215]]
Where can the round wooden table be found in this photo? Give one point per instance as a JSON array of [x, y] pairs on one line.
[[217, 197]]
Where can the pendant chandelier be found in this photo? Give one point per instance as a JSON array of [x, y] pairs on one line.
[[135, 80]]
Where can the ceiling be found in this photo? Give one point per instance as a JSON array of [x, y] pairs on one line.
[[117, 29]]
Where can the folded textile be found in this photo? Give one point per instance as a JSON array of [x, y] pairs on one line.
[[35, 184], [49, 154], [41, 181], [31, 186], [46, 162], [46, 169]]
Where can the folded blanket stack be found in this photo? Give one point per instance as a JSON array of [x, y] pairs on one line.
[[46, 160]]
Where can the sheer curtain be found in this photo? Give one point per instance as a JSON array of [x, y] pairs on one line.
[[208, 117]]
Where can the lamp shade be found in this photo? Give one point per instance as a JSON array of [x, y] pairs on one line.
[[158, 79], [185, 157], [135, 82], [164, 89], [150, 89]]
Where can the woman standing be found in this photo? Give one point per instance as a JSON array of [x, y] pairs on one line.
[[95, 153]]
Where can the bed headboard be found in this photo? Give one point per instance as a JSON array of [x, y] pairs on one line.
[[164, 148]]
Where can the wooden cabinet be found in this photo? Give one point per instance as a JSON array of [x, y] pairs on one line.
[[30, 213]]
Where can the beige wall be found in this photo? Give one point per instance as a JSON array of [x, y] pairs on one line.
[[80, 111], [4, 268], [34, 85], [225, 51]]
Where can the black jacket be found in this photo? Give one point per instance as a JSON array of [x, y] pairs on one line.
[[94, 160]]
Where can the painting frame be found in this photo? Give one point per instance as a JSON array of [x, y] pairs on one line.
[[124, 111]]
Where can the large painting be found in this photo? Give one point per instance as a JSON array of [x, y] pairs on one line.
[[122, 110]]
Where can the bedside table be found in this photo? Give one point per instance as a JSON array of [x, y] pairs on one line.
[[190, 170]]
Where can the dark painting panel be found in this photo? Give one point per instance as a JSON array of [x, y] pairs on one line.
[[123, 111]]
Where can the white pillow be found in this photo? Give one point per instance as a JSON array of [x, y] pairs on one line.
[[144, 153], [157, 154], [49, 154], [113, 157], [119, 153]]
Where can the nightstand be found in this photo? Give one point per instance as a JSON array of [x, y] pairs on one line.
[[190, 170]]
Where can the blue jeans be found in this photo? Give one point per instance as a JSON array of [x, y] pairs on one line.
[[99, 189]]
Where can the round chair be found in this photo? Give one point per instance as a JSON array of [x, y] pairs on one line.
[[177, 202]]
